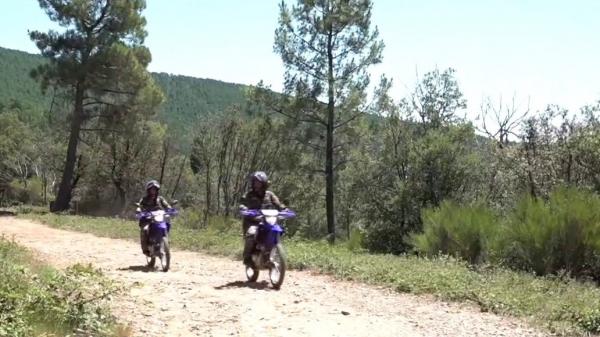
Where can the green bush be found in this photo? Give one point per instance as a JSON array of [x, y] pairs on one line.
[[384, 237], [555, 236], [30, 193], [191, 218], [356, 241], [36, 300], [461, 231], [29, 209]]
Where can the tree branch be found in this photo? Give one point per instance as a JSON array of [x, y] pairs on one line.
[[355, 116], [101, 130], [119, 92]]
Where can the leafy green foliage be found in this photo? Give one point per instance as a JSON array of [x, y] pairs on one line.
[[25, 157], [419, 163], [38, 300], [29, 192], [558, 235], [437, 98], [463, 232], [14, 144]]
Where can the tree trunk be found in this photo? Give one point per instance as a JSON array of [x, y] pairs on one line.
[[65, 189], [208, 193], [176, 186], [530, 163], [329, 178], [122, 196], [164, 160], [44, 187]]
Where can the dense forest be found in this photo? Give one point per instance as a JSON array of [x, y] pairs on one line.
[[354, 164], [186, 97]]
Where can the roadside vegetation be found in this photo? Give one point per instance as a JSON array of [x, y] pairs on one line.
[[38, 300]]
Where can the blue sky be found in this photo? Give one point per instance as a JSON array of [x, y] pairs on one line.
[[542, 51]]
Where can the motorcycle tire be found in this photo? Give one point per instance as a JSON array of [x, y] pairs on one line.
[[165, 256], [151, 261], [278, 266], [252, 273]]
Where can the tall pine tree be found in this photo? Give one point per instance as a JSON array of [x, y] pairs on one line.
[[327, 47], [100, 60]]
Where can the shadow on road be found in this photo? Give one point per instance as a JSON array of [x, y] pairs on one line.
[[143, 268], [263, 285], [4, 212]]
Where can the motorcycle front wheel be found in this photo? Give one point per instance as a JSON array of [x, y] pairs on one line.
[[278, 266], [252, 273], [151, 261], [165, 254]]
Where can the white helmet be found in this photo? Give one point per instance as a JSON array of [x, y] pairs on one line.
[[152, 183]]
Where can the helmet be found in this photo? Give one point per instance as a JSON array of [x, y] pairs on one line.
[[260, 176], [152, 183]]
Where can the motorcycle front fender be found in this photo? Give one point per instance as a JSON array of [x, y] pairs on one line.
[[158, 230], [277, 229], [270, 236]]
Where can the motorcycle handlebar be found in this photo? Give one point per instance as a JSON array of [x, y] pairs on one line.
[[144, 214], [283, 214]]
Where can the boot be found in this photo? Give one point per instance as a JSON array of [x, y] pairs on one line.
[[144, 242], [248, 248]]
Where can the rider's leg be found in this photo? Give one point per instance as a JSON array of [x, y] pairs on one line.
[[144, 238], [249, 241]]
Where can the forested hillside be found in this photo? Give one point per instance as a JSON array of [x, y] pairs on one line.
[[187, 98], [15, 82]]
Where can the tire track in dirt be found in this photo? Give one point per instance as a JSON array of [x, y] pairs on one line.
[[207, 296]]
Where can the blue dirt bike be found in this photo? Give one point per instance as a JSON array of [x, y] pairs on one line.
[[268, 253], [157, 231]]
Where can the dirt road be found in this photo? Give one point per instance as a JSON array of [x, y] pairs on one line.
[[208, 296]]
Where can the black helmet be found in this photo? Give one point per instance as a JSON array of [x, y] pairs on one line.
[[260, 176], [152, 183]]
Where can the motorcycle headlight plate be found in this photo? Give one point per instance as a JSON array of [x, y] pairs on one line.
[[271, 220]]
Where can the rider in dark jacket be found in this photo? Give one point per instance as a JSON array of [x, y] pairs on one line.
[[149, 203], [257, 198]]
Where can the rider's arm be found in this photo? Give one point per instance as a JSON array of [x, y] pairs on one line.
[[164, 202], [140, 205], [275, 201], [244, 201]]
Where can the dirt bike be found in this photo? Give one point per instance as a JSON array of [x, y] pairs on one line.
[[268, 253], [157, 229]]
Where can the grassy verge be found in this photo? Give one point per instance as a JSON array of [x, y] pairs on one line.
[[561, 305], [36, 300]]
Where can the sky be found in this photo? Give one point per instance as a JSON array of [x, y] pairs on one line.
[[539, 51]]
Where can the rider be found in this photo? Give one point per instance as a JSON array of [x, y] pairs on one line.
[[149, 203], [257, 198]]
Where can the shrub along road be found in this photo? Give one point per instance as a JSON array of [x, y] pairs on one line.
[[207, 296]]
